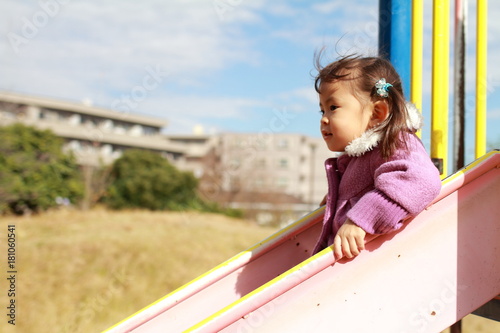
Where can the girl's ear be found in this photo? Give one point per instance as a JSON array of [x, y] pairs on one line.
[[380, 112]]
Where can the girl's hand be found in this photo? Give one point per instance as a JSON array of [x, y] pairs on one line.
[[349, 241]]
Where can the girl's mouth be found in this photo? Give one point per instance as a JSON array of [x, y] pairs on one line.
[[326, 134]]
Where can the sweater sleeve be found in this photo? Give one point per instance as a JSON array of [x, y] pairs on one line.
[[404, 186], [376, 213]]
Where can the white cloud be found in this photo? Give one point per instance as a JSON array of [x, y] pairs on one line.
[[299, 100], [493, 114], [341, 28], [328, 7], [280, 9], [183, 112], [110, 43]]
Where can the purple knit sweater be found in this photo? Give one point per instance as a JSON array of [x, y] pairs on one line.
[[377, 194]]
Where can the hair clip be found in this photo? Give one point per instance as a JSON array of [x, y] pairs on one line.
[[382, 87]]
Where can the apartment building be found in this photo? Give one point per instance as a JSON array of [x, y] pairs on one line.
[[196, 149], [277, 176], [95, 135]]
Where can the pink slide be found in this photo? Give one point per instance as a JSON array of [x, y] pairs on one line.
[[438, 268]]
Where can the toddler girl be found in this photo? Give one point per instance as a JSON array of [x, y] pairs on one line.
[[384, 173]]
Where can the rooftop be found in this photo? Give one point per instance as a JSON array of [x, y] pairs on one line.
[[82, 109]]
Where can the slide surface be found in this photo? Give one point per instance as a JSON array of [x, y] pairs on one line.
[[439, 267]]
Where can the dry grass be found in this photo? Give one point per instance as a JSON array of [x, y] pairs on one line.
[[84, 272], [475, 324]]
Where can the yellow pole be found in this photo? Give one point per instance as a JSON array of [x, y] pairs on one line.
[[417, 54], [440, 59], [481, 59]]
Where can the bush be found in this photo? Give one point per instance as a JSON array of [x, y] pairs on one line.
[[144, 179], [34, 171], [201, 205]]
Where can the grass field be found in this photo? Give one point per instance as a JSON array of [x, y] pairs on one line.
[[85, 271]]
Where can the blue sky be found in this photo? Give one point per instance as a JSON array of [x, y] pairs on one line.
[[224, 65]]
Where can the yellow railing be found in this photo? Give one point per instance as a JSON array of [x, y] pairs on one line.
[[417, 53], [440, 89], [481, 59]]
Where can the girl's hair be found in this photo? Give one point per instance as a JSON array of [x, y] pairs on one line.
[[362, 73]]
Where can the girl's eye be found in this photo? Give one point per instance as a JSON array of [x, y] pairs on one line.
[[322, 112], [333, 107]]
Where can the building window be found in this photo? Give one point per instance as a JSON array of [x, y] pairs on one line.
[[74, 119], [148, 130], [107, 125], [121, 127], [62, 117], [282, 144], [8, 115], [260, 163], [74, 145], [237, 142], [48, 114], [282, 182], [261, 143], [283, 163], [259, 183], [89, 121]]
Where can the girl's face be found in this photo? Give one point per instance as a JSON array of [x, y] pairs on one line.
[[344, 118]]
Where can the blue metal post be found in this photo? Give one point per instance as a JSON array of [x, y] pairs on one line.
[[394, 41]]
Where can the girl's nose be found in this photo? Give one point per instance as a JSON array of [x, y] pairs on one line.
[[324, 120]]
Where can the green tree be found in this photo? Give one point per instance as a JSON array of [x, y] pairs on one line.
[[144, 179], [34, 170]]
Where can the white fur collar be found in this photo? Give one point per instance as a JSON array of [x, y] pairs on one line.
[[370, 139]]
